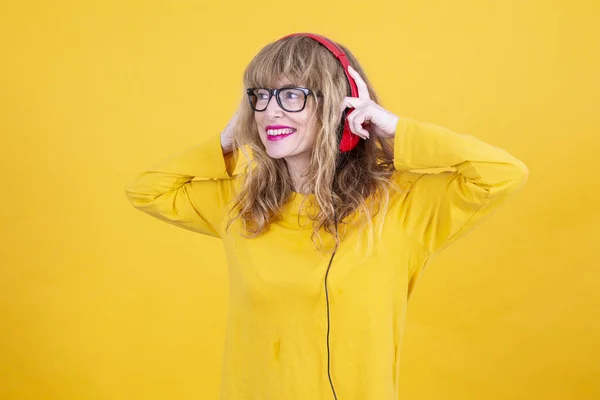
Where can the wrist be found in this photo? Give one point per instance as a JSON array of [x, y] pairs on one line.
[[395, 125], [226, 145]]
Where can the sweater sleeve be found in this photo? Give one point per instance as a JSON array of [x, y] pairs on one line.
[[168, 191], [441, 207]]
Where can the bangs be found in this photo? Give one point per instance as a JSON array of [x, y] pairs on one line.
[[270, 77], [293, 60]]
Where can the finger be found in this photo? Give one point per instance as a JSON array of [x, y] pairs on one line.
[[352, 102], [355, 121], [363, 90]]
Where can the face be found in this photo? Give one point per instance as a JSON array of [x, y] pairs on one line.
[[288, 135]]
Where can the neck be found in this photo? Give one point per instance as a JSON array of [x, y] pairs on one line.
[[297, 168]]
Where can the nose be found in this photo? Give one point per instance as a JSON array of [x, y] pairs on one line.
[[273, 110]]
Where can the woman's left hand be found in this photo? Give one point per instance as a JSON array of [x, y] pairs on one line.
[[368, 117]]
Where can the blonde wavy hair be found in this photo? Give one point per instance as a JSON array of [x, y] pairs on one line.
[[349, 188]]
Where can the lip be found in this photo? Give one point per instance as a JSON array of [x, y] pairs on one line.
[[279, 137], [278, 127]]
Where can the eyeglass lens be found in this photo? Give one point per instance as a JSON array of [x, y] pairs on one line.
[[290, 99]]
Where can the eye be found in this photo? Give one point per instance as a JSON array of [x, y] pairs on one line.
[[261, 94], [290, 95]]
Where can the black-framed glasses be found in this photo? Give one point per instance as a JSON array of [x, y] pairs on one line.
[[290, 99]]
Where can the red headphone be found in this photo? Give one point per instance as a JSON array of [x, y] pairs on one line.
[[348, 140]]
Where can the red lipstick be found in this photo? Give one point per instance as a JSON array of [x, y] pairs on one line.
[[281, 136], [278, 127]]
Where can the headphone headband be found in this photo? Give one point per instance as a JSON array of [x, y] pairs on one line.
[[337, 52], [348, 140]]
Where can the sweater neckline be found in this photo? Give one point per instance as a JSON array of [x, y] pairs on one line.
[[296, 200]]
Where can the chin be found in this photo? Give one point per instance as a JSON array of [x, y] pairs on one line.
[[277, 153]]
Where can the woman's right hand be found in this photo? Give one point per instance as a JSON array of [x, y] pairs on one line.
[[227, 135]]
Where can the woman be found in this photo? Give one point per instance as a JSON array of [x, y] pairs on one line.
[[285, 197]]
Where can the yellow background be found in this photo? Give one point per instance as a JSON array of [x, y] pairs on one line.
[[99, 301]]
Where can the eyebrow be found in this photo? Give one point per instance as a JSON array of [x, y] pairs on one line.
[[288, 86]]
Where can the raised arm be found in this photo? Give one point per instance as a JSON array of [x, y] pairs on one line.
[[169, 192], [440, 207]]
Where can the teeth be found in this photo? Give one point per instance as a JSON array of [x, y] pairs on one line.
[[275, 132]]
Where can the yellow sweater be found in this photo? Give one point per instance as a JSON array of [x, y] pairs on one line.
[[276, 344]]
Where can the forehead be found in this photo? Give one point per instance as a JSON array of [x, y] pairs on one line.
[[280, 83], [276, 81], [283, 81]]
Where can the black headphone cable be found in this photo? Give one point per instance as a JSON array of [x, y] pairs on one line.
[[328, 316]]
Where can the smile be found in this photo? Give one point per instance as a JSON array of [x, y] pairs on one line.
[[278, 132]]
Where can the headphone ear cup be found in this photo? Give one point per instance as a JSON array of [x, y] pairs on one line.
[[346, 139], [342, 128]]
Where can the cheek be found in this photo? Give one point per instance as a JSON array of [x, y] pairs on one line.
[[311, 129], [307, 122], [260, 122]]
